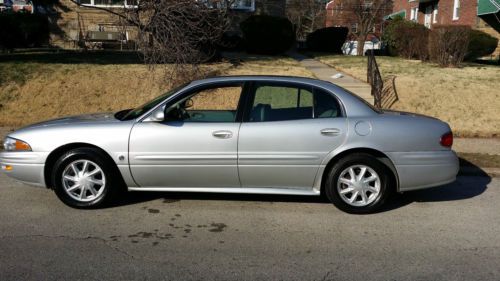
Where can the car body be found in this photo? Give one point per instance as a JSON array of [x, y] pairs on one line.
[[280, 135]]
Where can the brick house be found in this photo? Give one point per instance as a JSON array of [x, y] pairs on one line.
[[338, 14], [447, 12], [71, 22]]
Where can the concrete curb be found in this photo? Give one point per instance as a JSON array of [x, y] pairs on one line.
[[479, 172]]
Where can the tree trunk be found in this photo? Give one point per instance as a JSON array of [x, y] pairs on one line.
[[361, 45]]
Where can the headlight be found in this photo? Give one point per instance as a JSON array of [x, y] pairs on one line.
[[10, 144]]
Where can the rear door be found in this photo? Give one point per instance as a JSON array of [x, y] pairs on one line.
[[288, 130]]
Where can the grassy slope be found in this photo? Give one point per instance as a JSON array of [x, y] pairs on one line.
[[468, 98], [36, 87]]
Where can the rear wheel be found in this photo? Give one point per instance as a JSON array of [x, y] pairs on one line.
[[358, 184], [84, 178]]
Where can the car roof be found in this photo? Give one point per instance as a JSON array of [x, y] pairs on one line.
[[277, 78]]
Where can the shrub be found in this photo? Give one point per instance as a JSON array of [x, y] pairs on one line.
[[448, 44], [231, 42], [267, 35], [480, 44], [414, 41], [407, 39], [328, 39], [23, 30]]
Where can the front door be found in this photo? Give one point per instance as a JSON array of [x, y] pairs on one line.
[[288, 133], [428, 16], [196, 145]]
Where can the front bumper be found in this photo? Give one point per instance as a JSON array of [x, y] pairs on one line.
[[418, 170], [25, 166]]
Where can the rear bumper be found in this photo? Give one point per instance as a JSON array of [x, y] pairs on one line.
[[418, 170], [27, 167]]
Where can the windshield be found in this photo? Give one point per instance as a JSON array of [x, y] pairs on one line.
[[132, 114]]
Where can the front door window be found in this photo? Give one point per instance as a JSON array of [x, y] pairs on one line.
[[217, 104]]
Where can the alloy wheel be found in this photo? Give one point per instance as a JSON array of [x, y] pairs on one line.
[[359, 185], [83, 180]]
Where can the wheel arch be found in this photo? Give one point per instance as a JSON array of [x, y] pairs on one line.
[[382, 157], [58, 152]]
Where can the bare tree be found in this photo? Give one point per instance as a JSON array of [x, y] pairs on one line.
[[367, 13], [306, 15], [182, 33]]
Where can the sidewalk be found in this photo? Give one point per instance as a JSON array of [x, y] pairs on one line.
[[325, 72]]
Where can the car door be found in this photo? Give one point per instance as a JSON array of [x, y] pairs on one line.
[[288, 130], [196, 144]]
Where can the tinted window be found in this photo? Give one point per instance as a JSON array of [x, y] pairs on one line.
[[280, 103]]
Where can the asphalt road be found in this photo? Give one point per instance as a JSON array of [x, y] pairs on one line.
[[448, 233]]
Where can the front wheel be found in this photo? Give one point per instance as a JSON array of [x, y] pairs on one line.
[[83, 178], [358, 184]]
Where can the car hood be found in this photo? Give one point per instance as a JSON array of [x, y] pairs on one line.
[[78, 119]]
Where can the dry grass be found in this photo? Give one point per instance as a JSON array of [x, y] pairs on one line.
[[467, 98], [479, 160], [40, 87]]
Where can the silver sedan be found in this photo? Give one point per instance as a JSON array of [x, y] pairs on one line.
[[241, 134]]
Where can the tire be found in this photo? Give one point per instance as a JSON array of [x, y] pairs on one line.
[[87, 171], [370, 189]]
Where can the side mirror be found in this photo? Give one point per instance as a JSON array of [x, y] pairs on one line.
[[159, 115]]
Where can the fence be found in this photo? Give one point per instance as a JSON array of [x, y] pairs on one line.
[[383, 90]]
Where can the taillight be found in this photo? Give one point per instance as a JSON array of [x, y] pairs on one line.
[[447, 139]]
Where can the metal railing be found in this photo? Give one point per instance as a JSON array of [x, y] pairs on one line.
[[375, 80], [383, 90]]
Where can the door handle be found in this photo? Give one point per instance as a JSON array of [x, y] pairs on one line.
[[222, 134], [330, 132]]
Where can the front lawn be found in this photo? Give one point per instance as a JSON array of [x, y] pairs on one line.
[[40, 86], [467, 98]]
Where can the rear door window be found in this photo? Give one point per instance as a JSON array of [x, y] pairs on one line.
[[274, 102]]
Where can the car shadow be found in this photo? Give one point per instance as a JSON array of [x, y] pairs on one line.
[[472, 181], [136, 197]]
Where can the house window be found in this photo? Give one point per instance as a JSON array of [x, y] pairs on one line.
[[338, 8], [247, 5], [109, 3], [243, 5], [435, 14], [354, 28], [414, 14], [456, 9]]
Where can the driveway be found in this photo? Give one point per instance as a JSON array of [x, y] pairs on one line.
[[447, 233]]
